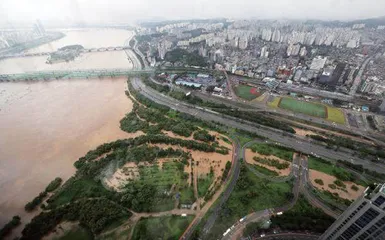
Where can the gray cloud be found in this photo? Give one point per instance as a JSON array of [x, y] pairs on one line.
[[123, 11]]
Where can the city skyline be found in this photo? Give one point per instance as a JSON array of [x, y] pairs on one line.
[[67, 12]]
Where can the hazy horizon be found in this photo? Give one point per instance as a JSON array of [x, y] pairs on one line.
[[68, 12]]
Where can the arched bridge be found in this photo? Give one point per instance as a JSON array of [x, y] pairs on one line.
[[102, 49], [68, 74]]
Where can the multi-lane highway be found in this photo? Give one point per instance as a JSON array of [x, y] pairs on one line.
[[279, 113], [292, 141]]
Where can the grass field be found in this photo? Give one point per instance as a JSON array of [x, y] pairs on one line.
[[78, 233], [265, 171], [171, 173], [245, 92], [312, 109], [270, 149], [325, 167], [335, 115], [274, 103], [186, 196], [169, 227], [204, 184], [116, 234], [250, 194]]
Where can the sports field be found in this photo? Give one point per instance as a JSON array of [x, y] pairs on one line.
[[335, 115], [312, 109], [247, 92], [273, 101]]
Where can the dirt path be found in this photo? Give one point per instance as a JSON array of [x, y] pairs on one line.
[[196, 188]]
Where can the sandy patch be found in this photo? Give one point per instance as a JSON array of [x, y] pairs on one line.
[[219, 139], [327, 179], [249, 155], [303, 132], [129, 171], [173, 135]]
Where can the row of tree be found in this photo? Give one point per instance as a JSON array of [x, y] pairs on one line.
[[7, 229], [95, 214]]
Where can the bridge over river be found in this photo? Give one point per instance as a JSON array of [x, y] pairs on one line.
[[85, 50], [68, 74]]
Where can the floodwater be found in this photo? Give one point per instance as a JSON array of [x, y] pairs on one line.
[[46, 126], [88, 38], [92, 60]]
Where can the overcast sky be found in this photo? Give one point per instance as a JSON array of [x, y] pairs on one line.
[[127, 11]]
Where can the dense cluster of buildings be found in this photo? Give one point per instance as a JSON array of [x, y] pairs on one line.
[[324, 57], [12, 37]]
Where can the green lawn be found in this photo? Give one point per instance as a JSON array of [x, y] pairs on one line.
[[243, 91], [204, 184], [271, 149], [309, 108], [265, 171], [187, 195], [169, 227], [116, 234], [171, 173], [251, 193], [78, 233], [322, 165]]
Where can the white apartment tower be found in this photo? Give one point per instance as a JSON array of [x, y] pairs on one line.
[[363, 220]]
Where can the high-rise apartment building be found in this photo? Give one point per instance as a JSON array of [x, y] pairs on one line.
[[363, 220]]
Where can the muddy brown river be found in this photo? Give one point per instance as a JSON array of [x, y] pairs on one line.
[[46, 126]]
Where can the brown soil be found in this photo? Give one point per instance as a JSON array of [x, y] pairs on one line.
[[60, 230], [249, 154], [327, 179], [358, 139], [303, 132]]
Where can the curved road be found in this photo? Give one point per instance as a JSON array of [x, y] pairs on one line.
[[237, 228]]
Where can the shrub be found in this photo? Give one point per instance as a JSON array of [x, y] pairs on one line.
[[35, 202], [7, 229], [332, 186], [319, 181], [354, 188], [339, 183], [53, 185]]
